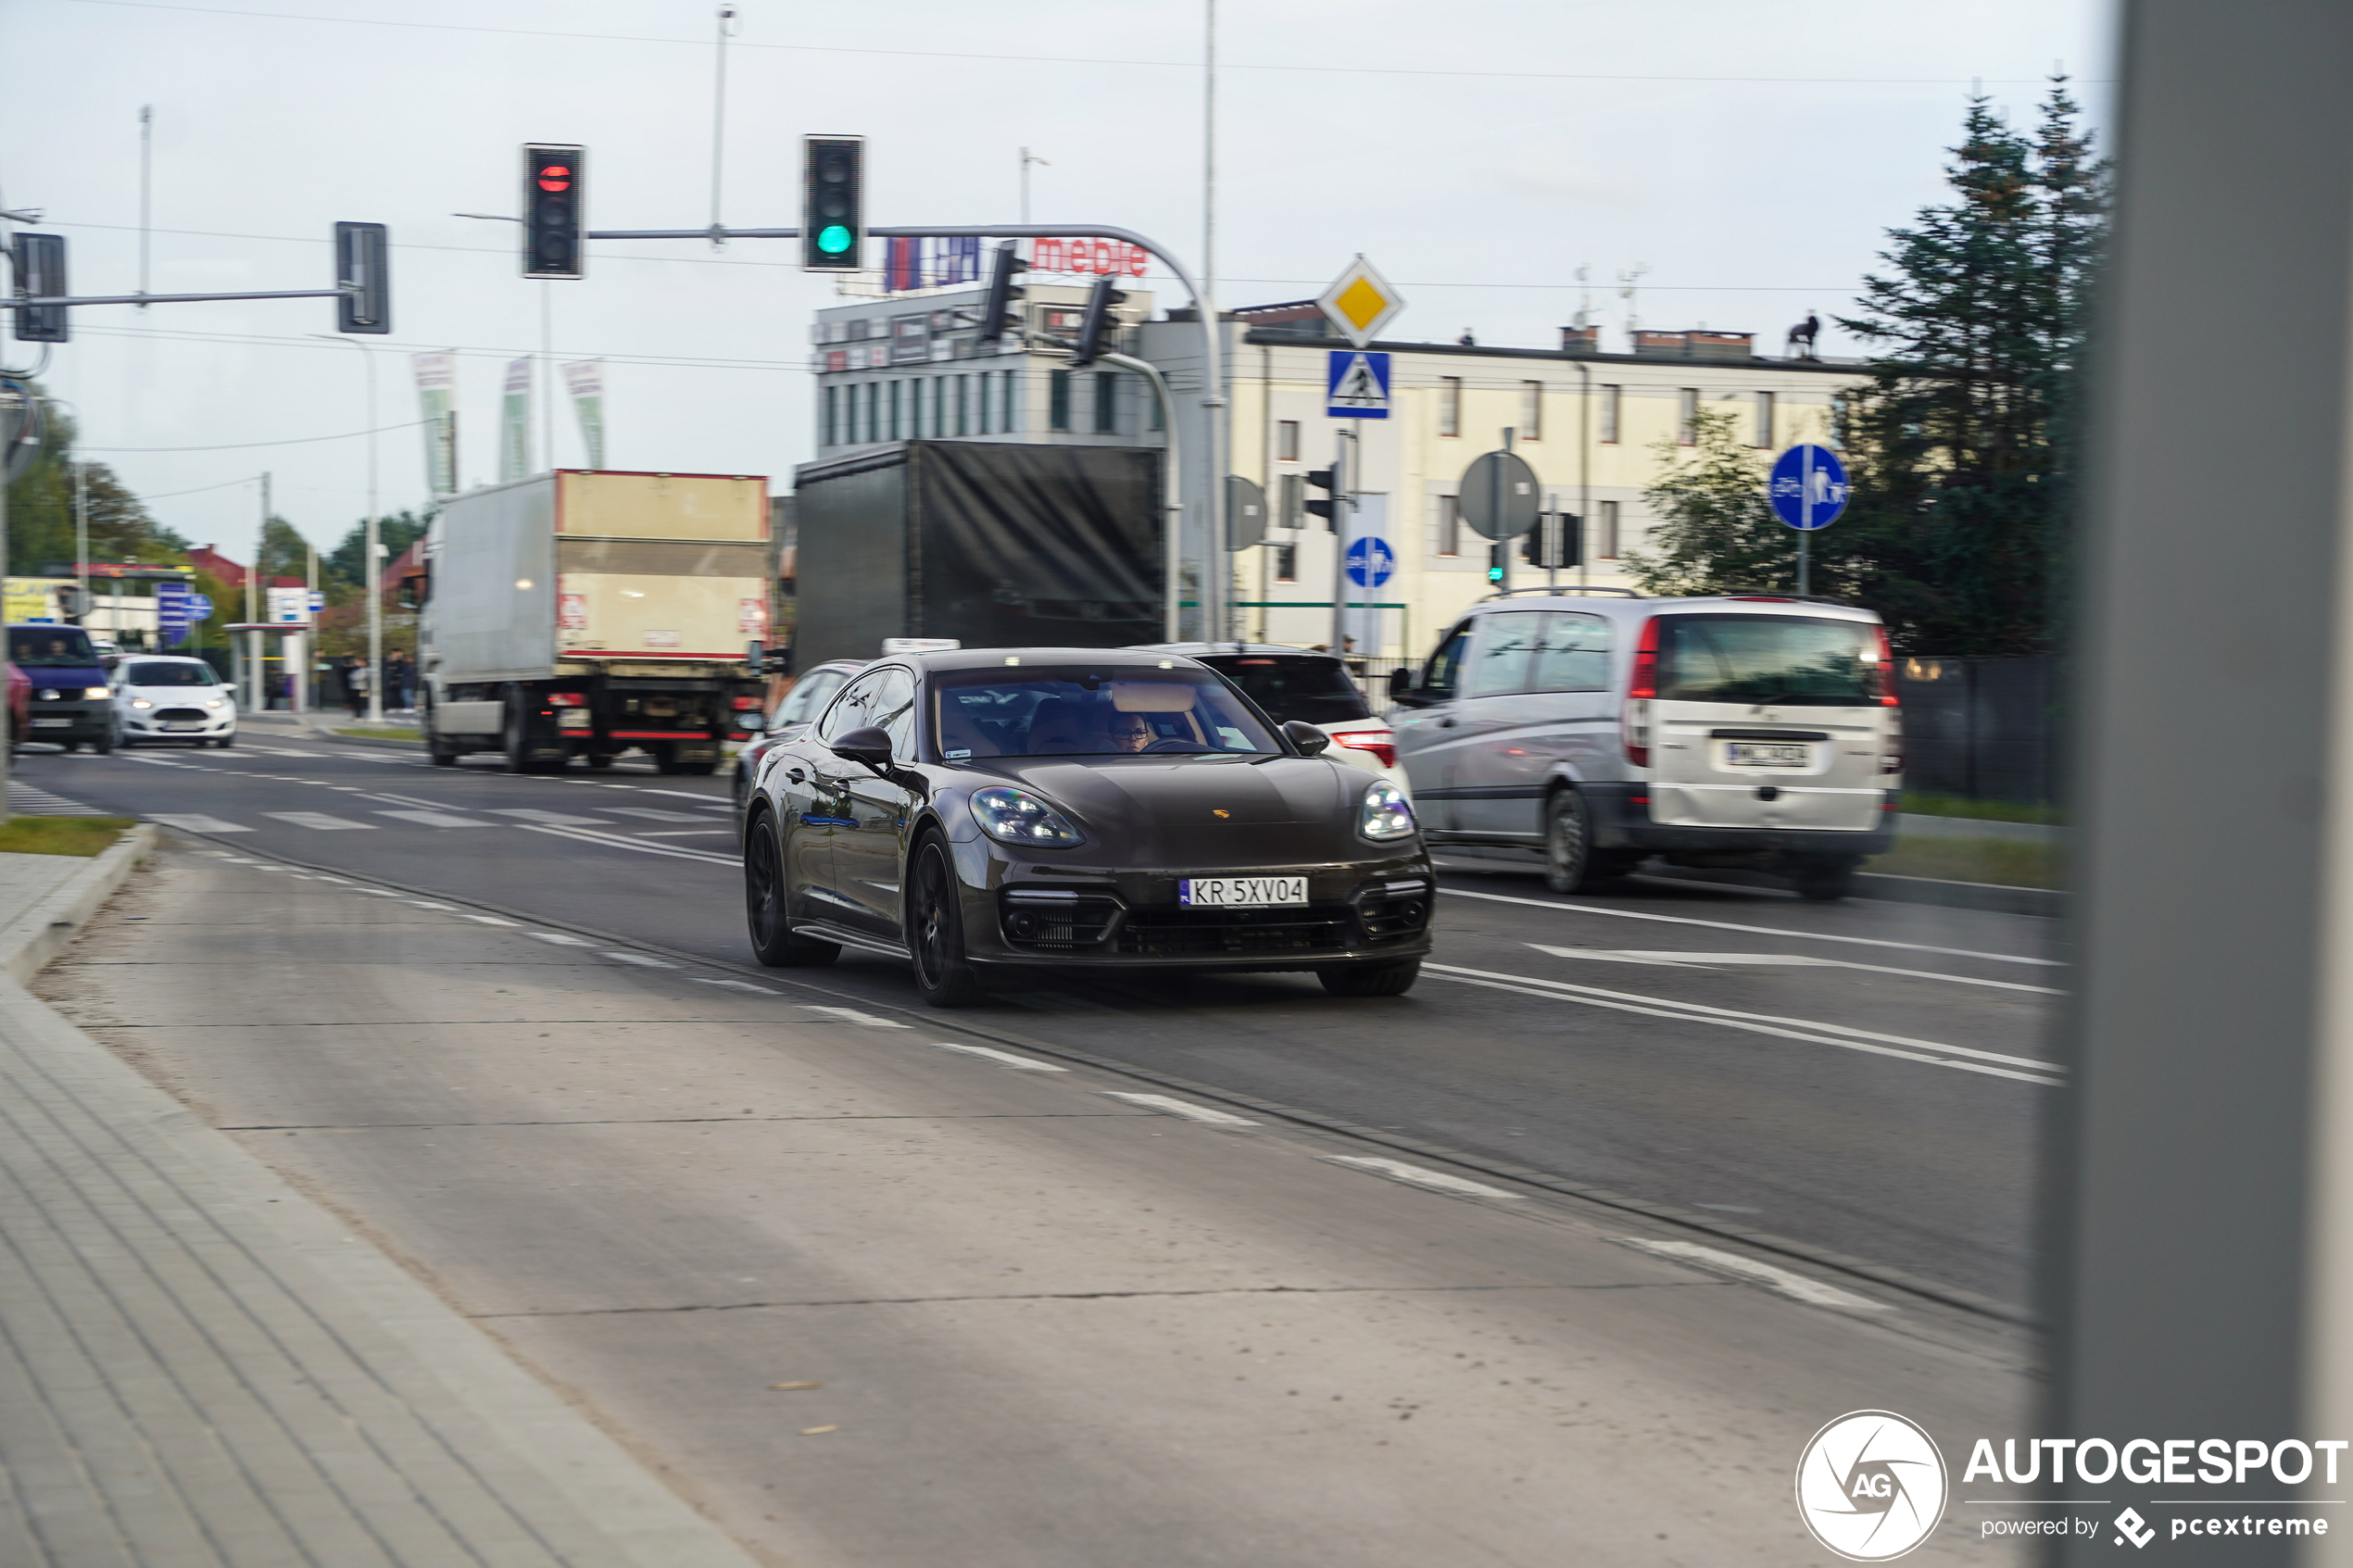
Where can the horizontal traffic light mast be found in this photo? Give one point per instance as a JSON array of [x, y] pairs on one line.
[[39, 298]]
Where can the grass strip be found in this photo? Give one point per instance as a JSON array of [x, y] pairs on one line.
[[2002, 861], [60, 836], [1928, 804], [373, 733]]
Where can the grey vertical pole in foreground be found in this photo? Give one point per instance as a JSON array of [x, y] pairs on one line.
[[2202, 1237]]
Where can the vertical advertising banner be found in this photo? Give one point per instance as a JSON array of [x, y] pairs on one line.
[[515, 424], [586, 380], [437, 400]]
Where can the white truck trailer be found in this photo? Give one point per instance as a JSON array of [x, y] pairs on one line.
[[581, 614]]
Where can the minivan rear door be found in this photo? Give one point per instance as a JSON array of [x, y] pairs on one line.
[[1766, 720]]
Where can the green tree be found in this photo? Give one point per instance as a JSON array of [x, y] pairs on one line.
[[41, 510], [346, 564], [1715, 532], [1962, 446]]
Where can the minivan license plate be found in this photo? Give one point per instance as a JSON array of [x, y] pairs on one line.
[[1768, 754], [1242, 892]]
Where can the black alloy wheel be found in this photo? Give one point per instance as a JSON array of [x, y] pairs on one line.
[[1390, 977], [773, 941], [936, 930]]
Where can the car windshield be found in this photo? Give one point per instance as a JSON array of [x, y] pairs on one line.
[[41, 647], [1310, 687], [1757, 658], [1070, 711], [168, 672]]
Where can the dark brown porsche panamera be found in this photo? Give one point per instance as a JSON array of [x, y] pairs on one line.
[[999, 809]]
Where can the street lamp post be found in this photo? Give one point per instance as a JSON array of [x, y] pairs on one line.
[[374, 576]]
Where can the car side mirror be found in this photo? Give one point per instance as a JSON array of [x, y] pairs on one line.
[[1401, 681], [1310, 740], [869, 745]]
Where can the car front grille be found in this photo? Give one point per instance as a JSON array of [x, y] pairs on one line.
[[180, 716], [1398, 909], [1206, 933], [1055, 920]]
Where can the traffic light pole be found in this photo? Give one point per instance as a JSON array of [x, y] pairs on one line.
[[1213, 388], [1172, 486]]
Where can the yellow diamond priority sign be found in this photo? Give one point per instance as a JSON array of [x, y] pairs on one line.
[[1360, 302]]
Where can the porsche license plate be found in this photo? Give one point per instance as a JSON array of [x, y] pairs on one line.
[[1242, 892], [1768, 754]]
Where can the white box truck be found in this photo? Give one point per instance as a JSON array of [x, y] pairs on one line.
[[582, 614]]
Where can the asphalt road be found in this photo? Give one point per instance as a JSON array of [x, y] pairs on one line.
[[1862, 1081]]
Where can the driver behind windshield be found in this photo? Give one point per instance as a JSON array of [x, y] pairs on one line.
[[1065, 712]]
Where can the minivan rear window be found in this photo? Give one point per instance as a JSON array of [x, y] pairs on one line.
[[1795, 660], [1313, 688]]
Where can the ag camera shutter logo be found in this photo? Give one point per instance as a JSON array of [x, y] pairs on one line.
[[1871, 1485]]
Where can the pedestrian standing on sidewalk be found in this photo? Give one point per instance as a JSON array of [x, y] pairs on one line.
[[355, 687]]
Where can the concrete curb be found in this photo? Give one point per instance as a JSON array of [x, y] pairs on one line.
[[39, 933], [443, 1404]]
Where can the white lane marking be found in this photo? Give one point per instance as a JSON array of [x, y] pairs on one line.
[[190, 822], [1663, 1007], [1754, 929], [561, 819], [1414, 1175], [642, 959], [1674, 960], [704, 800], [742, 986], [684, 833], [321, 821], [1168, 1106], [428, 904], [639, 844], [281, 751], [851, 1015], [651, 813], [1796, 1286], [1002, 1058], [559, 939], [379, 892], [486, 920], [154, 761], [437, 819]]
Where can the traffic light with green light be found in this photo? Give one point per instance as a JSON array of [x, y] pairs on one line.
[[833, 203]]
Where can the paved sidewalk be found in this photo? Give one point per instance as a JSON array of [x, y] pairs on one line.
[[199, 1366]]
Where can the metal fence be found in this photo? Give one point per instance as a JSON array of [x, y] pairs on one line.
[[1985, 728]]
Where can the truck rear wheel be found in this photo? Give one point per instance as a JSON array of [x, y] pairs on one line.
[[518, 739]]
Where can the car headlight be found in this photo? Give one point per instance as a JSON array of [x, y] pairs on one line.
[[212, 702], [1386, 814], [141, 702], [97, 694], [1015, 816]]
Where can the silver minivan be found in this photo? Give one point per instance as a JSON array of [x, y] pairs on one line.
[[1753, 731]]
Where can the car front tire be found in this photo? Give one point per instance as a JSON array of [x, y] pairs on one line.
[[1392, 978], [773, 942], [944, 977]]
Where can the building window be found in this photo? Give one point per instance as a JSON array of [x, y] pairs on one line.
[[1532, 411], [1058, 401], [1609, 412], [1606, 544], [1286, 563], [1286, 441], [1764, 419], [899, 410], [874, 410], [833, 411], [1290, 509], [1687, 419], [1449, 526], [1450, 405], [1009, 404], [1106, 402], [938, 406], [1159, 416], [963, 404]]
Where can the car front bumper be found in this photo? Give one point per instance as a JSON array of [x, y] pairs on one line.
[[70, 721]]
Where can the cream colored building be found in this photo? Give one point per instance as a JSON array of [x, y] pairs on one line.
[[1589, 423]]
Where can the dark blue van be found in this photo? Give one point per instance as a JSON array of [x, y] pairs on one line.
[[70, 702]]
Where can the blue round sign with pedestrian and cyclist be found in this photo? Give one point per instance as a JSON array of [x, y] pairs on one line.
[[1808, 487], [1370, 561]]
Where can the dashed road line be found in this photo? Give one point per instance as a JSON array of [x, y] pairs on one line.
[[1416, 1176], [1002, 1058], [1773, 1277], [851, 1015], [1671, 959], [1169, 1105]]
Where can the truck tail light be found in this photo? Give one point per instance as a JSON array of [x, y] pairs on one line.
[[1382, 744], [743, 703], [1640, 687], [567, 699]]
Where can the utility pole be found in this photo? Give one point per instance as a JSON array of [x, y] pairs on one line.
[[1218, 571], [81, 536], [146, 169], [373, 574], [256, 683], [719, 122], [1027, 158]]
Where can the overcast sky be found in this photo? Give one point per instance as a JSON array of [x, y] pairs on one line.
[[1749, 153]]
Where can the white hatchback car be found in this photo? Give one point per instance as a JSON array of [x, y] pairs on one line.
[[168, 696], [1305, 684]]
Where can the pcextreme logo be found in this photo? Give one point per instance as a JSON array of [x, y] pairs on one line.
[[1871, 1485]]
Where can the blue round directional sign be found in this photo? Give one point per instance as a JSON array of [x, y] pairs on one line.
[[1371, 562], [1808, 487], [199, 607]]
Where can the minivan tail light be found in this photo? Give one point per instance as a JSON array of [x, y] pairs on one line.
[[1887, 696], [1382, 744], [1640, 687]]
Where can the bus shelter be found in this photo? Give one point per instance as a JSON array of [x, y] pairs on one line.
[[255, 660]]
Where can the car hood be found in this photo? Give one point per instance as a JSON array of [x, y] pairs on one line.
[[1185, 811], [53, 677]]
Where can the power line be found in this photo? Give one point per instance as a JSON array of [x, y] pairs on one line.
[[174, 494], [241, 445], [1087, 60]]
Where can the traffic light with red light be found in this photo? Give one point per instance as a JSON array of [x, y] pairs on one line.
[[833, 203], [554, 211]]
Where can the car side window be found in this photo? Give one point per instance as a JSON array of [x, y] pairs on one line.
[[849, 712], [1446, 665], [1572, 655], [807, 697], [893, 708], [1506, 643]]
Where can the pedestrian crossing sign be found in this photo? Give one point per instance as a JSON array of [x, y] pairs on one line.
[[1356, 385]]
